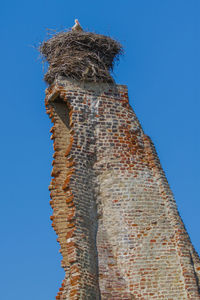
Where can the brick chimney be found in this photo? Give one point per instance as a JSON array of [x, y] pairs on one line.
[[120, 234]]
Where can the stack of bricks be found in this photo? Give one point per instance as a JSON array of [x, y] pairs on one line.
[[119, 230]]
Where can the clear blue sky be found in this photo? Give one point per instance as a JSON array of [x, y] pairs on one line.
[[161, 67]]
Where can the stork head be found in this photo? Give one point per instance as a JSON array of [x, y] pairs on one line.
[[76, 21]]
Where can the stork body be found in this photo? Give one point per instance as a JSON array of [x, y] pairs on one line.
[[77, 26]]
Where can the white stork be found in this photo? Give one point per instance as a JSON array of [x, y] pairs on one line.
[[77, 26]]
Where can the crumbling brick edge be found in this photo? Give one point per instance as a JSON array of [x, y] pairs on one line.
[[69, 253]]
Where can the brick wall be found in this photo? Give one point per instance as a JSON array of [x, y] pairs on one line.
[[120, 233]]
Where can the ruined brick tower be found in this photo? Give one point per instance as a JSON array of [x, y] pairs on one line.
[[120, 234]]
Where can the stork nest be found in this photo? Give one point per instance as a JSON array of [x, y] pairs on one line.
[[80, 55]]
